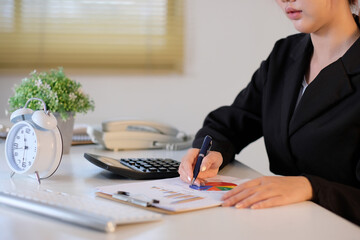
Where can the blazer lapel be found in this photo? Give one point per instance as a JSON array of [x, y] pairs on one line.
[[330, 86], [294, 76]]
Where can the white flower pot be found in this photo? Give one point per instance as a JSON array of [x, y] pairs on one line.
[[66, 129]]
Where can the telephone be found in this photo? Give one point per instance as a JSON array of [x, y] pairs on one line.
[[138, 134]]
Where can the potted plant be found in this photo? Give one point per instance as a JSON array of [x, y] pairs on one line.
[[62, 96]]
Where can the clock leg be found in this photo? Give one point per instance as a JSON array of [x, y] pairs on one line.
[[37, 176], [12, 174]]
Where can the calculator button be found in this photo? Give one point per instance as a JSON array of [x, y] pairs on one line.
[[139, 168], [151, 165]]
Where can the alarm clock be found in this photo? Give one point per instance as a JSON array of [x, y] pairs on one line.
[[33, 146]]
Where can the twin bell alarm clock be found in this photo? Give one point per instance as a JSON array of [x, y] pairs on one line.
[[34, 145]]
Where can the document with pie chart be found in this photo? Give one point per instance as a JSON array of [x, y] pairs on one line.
[[174, 195]]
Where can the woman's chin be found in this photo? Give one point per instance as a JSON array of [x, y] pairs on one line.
[[302, 27]]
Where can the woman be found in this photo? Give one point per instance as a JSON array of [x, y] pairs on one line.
[[305, 101]]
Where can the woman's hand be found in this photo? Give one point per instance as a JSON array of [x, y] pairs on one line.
[[265, 192], [209, 166]]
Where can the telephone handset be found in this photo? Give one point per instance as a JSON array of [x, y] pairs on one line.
[[139, 126], [138, 134]]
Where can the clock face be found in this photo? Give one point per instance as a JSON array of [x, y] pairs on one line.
[[22, 147]]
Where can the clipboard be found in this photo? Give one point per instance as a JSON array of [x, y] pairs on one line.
[[151, 208], [170, 196]]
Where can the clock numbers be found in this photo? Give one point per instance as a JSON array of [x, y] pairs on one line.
[[33, 145], [24, 147]]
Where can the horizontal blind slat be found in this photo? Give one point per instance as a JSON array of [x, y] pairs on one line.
[[81, 32]]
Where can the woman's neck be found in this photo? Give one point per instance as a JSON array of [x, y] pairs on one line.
[[332, 41]]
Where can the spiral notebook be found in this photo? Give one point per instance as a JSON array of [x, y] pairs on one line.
[[171, 195]]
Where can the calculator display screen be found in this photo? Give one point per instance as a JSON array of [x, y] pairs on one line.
[[111, 162]]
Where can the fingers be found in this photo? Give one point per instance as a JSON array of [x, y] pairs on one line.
[[212, 160], [187, 165], [256, 198], [240, 188], [209, 167], [267, 192], [242, 195], [200, 182], [249, 193], [271, 202]]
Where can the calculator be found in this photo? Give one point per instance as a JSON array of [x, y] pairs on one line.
[[137, 168]]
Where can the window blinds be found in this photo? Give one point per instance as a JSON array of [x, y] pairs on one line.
[[122, 34]]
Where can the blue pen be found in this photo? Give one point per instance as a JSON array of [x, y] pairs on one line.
[[205, 148]]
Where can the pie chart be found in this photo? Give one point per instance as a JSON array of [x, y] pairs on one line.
[[215, 186]]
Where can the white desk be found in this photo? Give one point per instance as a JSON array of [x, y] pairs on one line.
[[77, 176]]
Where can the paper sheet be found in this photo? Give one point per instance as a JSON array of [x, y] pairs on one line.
[[176, 195]]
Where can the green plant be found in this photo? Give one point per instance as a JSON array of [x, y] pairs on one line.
[[60, 94]]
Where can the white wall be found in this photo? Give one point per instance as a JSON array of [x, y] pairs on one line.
[[225, 42]]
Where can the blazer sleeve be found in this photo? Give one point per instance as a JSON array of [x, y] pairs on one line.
[[234, 127], [339, 198]]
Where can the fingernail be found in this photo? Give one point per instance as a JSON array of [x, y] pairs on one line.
[[189, 179], [203, 168], [255, 206], [239, 205]]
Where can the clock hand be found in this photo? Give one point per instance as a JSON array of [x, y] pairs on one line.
[[25, 148], [23, 159]]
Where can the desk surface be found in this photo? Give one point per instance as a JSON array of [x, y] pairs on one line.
[[77, 176]]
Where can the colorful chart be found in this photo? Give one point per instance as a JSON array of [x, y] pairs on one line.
[[178, 197], [215, 186]]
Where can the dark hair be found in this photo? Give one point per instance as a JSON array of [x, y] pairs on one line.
[[354, 4]]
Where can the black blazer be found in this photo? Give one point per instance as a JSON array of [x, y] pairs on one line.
[[319, 140]]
